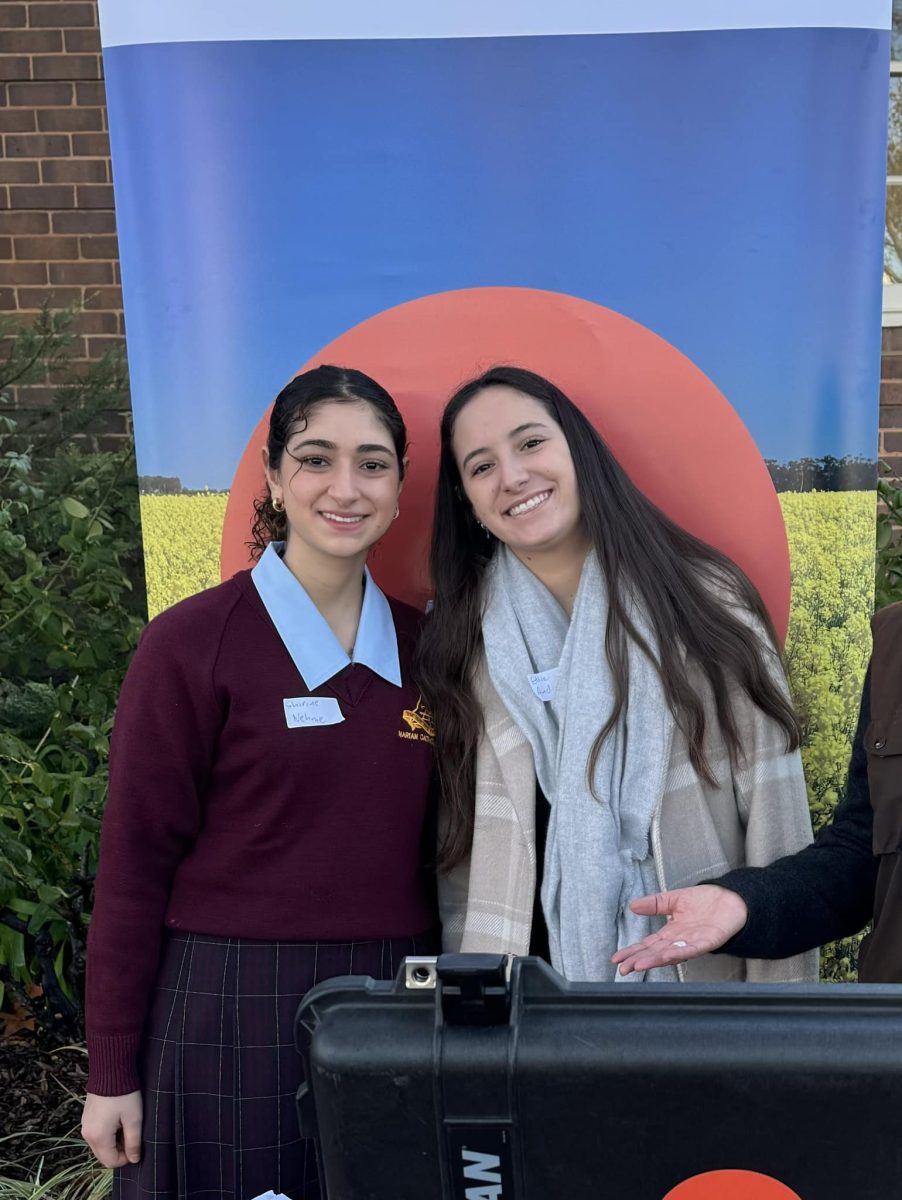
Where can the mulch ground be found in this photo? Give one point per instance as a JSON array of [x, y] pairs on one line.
[[41, 1093]]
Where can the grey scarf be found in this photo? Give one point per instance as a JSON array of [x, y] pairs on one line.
[[554, 678]]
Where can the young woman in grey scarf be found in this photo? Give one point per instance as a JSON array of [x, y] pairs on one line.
[[611, 712]]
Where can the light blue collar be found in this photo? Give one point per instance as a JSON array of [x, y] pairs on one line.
[[314, 648]]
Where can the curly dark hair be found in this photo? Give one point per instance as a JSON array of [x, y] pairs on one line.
[[294, 403]]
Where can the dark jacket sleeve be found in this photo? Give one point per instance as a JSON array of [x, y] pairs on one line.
[[823, 892]]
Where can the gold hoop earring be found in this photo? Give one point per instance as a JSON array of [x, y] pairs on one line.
[[277, 504]]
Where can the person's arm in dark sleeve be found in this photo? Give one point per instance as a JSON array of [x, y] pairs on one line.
[[823, 892], [163, 744]]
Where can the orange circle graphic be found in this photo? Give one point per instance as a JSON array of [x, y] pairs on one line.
[[672, 430], [732, 1185]]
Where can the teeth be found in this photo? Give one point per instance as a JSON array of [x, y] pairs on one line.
[[341, 520], [528, 505]]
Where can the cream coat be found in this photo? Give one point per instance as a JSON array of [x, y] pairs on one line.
[[758, 813]]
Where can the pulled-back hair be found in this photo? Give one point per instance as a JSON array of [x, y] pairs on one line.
[[701, 607], [295, 403]]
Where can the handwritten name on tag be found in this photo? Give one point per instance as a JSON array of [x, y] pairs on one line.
[[542, 683], [305, 711]]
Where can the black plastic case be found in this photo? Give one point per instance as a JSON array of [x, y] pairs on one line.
[[455, 1082]]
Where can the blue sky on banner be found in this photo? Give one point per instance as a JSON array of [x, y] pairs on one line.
[[723, 187]]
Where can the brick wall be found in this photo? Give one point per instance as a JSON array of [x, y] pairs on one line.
[[57, 225], [891, 400]]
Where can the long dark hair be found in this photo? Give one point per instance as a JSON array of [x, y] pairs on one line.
[[294, 403], [691, 594]]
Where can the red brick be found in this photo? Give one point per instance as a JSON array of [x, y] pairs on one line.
[[6, 248], [108, 424], [99, 346], [60, 15], [51, 120], [23, 272], [72, 170], [94, 221], [4, 197], [95, 196], [65, 66], [46, 196], [15, 68], [35, 396], [891, 365], [17, 120], [36, 95], [24, 222], [890, 393], [100, 247], [82, 41], [18, 172], [37, 145], [31, 41], [104, 298], [93, 95], [81, 272], [892, 443], [99, 323], [890, 416], [63, 375], [8, 298], [46, 248], [59, 297], [92, 145], [12, 16]]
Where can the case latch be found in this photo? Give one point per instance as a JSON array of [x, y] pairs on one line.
[[474, 988]]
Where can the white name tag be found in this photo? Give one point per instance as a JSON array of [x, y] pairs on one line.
[[542, 683], [311, 710]]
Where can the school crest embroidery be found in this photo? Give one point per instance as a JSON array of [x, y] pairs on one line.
[[419, 722]]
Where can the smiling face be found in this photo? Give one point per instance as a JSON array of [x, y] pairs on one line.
[[517, 472], [339, 481]]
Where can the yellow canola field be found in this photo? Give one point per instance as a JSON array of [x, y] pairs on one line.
[[181, 545]]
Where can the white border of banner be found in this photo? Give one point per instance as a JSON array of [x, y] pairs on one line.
[[135, 22]]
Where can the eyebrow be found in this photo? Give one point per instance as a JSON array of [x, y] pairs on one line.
[[513, 433], [322, 444]]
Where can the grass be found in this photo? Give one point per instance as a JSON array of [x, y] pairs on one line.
[[82, 1178]]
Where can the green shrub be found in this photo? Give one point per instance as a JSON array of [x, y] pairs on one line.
[[889, 542], [69, 620]]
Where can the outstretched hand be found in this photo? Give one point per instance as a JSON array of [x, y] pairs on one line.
[[699, 919]]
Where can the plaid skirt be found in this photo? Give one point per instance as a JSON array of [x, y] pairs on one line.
[[220, 1069]]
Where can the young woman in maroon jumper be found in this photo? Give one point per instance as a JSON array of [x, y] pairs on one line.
[[264, 828]]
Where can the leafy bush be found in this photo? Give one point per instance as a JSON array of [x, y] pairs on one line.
[[830, 541], [889, 541], [69, 620]]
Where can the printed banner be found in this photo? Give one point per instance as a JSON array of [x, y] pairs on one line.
[[675, 214]]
